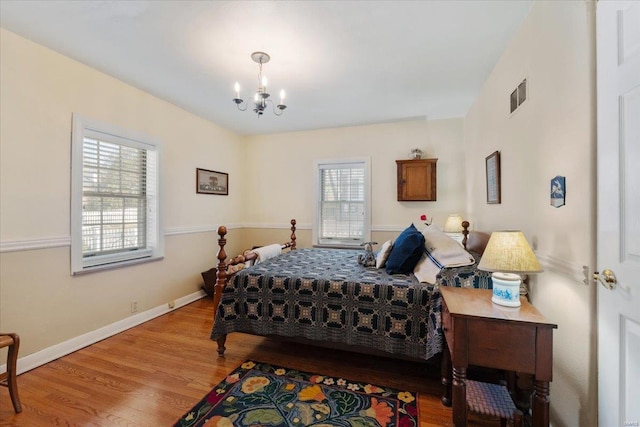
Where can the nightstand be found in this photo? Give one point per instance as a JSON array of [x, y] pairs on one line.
[[481, 333]]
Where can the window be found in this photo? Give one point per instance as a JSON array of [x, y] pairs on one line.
[[342, 215], [115, 197]]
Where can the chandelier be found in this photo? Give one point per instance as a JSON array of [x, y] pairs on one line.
[[261, 97]]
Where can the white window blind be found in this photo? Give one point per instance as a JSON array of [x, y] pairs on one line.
[[342, 217], [115, 192]]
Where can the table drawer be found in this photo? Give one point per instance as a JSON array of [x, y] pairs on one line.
[[508, 346]]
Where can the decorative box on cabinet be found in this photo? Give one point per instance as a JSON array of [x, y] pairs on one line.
[[416, 180]]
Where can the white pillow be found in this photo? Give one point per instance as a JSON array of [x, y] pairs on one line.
[[383, 254], [446, 251]]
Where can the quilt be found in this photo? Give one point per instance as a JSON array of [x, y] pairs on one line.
[[325, 295]]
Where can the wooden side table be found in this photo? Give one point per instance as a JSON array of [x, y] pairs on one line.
[[481, 333]]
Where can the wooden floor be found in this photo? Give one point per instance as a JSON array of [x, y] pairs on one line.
[[152, 374]]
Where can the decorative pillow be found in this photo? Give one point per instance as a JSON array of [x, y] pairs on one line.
[[383, 254], [406, 251]]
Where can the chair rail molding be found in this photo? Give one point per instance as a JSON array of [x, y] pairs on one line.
[[570, 269], [33, 244]]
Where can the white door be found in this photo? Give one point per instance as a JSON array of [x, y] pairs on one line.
[[618, 79]]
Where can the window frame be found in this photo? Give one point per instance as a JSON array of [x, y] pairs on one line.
[[366, 235], [154, 248]]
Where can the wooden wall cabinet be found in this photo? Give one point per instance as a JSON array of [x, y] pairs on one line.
[[417, 180]]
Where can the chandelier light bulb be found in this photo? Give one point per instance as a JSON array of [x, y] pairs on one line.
[[264, 81], [282, 94], [236, 87]]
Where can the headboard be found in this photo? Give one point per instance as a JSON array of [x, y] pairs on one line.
[[474, 241]]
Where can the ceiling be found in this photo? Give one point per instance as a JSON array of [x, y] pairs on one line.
[[342, 63]]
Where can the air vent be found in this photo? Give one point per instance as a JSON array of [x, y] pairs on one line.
[[518, 96]]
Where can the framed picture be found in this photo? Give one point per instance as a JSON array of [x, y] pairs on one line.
[[493, 177], [212, 182]]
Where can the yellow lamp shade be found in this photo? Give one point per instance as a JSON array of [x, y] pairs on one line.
[[453, 224], [509, 252]]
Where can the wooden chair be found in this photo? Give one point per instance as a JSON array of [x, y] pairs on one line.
[[8, 379]]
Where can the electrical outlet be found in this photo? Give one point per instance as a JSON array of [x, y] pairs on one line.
[[172, 304], [134, 306]]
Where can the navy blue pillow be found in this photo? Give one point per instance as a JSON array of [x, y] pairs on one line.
[[406, 252]]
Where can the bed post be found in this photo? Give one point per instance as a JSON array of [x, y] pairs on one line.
[[465, 233], [293, 234], [221, 281], [221, 274]]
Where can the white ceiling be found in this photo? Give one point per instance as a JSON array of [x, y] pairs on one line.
[[342, 63]]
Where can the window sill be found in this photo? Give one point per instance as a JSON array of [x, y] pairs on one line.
[[115, 265]]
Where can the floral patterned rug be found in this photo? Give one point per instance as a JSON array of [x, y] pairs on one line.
[[260, 394]]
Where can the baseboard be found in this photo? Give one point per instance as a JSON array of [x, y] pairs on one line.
[[54, 352]]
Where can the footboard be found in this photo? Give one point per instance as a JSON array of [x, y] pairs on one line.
[[223, 275]]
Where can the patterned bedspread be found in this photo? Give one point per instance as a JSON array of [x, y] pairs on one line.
[[325, 295]]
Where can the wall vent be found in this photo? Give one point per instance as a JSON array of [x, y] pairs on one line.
[[518, 96]]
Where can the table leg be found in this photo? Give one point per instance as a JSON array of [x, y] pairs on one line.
[[459, 397], [446, 376], [540, 410]]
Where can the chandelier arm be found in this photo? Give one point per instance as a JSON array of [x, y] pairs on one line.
[[273, 106], [242, 102]]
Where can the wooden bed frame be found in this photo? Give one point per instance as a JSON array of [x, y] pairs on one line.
[[472, 241]]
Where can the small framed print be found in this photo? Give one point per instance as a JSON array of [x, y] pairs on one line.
[[492, 162], [212, 182]]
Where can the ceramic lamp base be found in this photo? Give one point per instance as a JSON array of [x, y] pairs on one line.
[[506, 289]]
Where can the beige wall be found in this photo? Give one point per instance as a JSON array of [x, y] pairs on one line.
[[280, 172], [40, 90], [552, 133]]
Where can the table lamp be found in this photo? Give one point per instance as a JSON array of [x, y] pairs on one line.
[[508, 255], [453, 227]]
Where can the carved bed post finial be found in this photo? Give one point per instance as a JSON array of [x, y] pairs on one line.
[[465, 233], [221, 274], [293, 234]]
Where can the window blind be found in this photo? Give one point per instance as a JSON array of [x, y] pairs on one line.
[[114, 204], [342, 203]]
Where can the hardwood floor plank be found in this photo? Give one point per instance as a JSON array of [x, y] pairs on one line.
[[152, 374]]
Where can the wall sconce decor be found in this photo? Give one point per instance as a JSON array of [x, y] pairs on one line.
[[558, 191]]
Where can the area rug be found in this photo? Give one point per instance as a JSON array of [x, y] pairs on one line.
[[261, 394]]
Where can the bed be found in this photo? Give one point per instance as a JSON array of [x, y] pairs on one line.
[[326, 297]]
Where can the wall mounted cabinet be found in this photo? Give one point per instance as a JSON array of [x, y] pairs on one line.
[[417, 180]]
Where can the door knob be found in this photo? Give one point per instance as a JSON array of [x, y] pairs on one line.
[[606, 279]]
